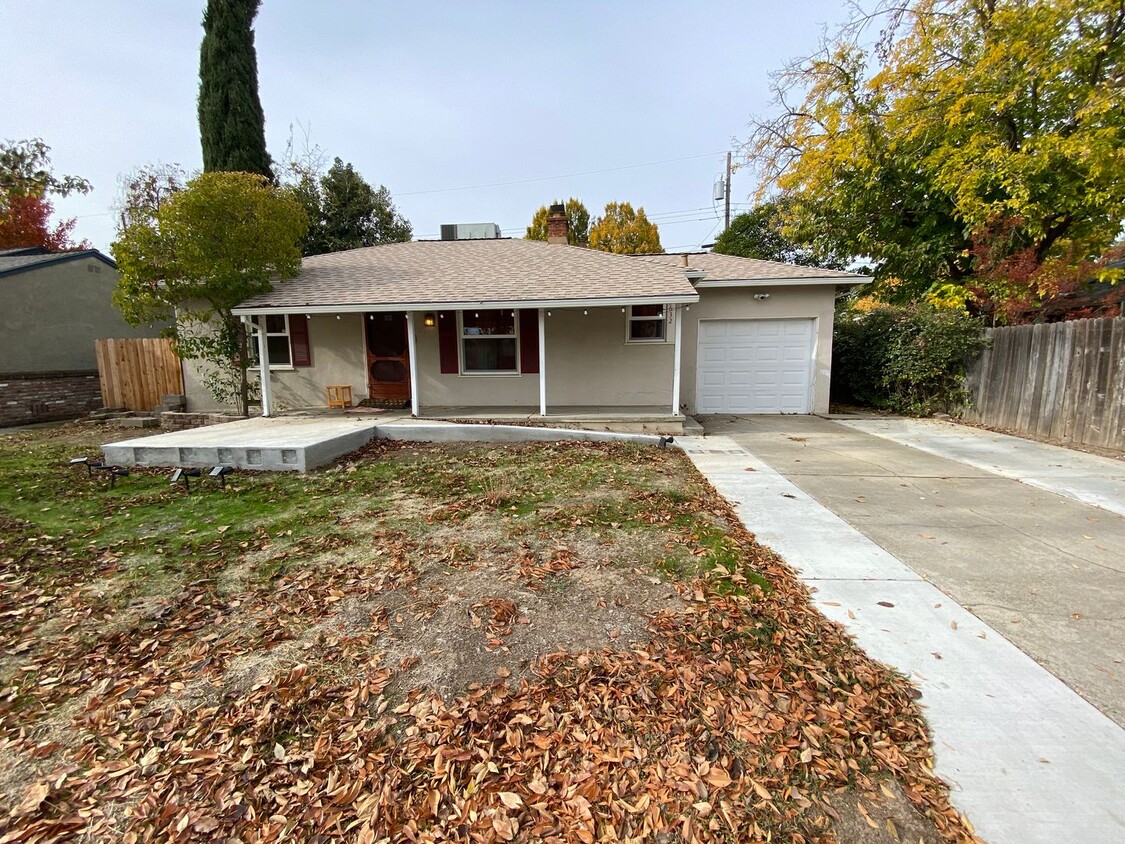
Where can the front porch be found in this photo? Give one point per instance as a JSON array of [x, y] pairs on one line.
[[608, 368], [650, 419]]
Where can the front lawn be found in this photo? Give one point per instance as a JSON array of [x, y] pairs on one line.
[[570, 642]]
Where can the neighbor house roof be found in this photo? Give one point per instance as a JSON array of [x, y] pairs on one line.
[[14, 261], [450, 274], [733, 271]]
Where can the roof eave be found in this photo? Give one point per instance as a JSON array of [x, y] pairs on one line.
[[60, 258], [363, 308], [779, 282]]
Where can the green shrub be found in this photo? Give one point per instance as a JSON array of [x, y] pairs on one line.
[[911, 358]]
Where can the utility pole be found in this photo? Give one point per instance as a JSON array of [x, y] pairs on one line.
[[726, 204]]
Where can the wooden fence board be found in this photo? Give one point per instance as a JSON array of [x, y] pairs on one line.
[[138, 373], [1063, 381]]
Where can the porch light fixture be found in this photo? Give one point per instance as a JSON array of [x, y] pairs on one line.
[[585, 313], [761, 296], [429, 321]]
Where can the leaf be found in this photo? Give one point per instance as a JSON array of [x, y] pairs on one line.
[[33, 798], [884, 603], [718, 777], [511, 799]]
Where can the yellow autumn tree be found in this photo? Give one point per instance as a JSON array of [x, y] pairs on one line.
[[625, 231]]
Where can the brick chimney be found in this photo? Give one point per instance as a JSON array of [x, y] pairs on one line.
[[556, 224]]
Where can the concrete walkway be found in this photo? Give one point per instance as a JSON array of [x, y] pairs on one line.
[[1027, 759]]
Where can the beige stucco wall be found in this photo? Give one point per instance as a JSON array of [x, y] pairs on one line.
[[51, 316], [337, 358], [812, 301], [588, 363]]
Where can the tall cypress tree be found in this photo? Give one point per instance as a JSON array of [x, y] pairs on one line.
[[231, 123]]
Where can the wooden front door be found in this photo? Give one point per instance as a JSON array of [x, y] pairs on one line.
[[388, 357]]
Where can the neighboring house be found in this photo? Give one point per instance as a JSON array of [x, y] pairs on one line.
[[545, 328], [53, 306]]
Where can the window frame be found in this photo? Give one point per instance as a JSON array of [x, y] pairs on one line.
[[255, 346], [630, 318], [514, 336]]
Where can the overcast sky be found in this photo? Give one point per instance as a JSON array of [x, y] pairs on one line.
[[473, 111]]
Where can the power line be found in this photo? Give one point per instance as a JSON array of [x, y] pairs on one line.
[[560, 176]]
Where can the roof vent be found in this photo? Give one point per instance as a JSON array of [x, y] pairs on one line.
[[470, 231]]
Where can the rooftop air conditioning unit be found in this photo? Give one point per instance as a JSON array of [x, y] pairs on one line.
[[470, 231]]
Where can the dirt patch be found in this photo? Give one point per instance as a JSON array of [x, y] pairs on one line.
[[884, 818], [443, 631]]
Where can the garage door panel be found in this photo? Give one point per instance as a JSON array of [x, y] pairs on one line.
[[755, 366]]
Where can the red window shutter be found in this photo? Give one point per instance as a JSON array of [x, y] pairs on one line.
[[529, 341], [447, 343], [299, 340]]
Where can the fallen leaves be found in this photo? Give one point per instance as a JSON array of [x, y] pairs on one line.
[[729, 724]]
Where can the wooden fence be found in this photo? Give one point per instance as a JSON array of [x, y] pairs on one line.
[[138, 373], [1063, 381]]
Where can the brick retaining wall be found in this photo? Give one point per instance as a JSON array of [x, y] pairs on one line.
[[175, 421], [27, 397]]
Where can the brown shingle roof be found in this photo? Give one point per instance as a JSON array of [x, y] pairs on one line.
[[732, 268], [429, 273]]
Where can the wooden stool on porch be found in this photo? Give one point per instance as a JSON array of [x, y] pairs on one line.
[[340, 395]]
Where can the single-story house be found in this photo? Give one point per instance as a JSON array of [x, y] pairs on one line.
[[53, 306], [545, 328]]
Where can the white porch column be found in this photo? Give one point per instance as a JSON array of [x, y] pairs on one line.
[[257, 336], [412, 351], [542, 362], [679, 310]]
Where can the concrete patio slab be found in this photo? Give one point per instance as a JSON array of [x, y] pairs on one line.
[[1028, 759], [303, 443], [1084, 477], [296, 444]]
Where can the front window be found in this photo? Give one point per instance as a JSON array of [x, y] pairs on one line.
[[646, 324], [277, 340], [488, 342]]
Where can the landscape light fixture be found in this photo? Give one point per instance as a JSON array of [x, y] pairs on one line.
[[221, 473], [115, 472], [183, 475], [90, 465], [666, 441]]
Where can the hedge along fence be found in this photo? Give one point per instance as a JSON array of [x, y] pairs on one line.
[[907, 358], [1063, 381]]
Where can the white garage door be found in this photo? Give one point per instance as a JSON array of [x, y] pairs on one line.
[[755, 366]]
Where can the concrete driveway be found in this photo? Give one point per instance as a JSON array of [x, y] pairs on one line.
[[1044, 569]]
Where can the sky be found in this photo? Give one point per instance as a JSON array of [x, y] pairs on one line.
[[468, 112]]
